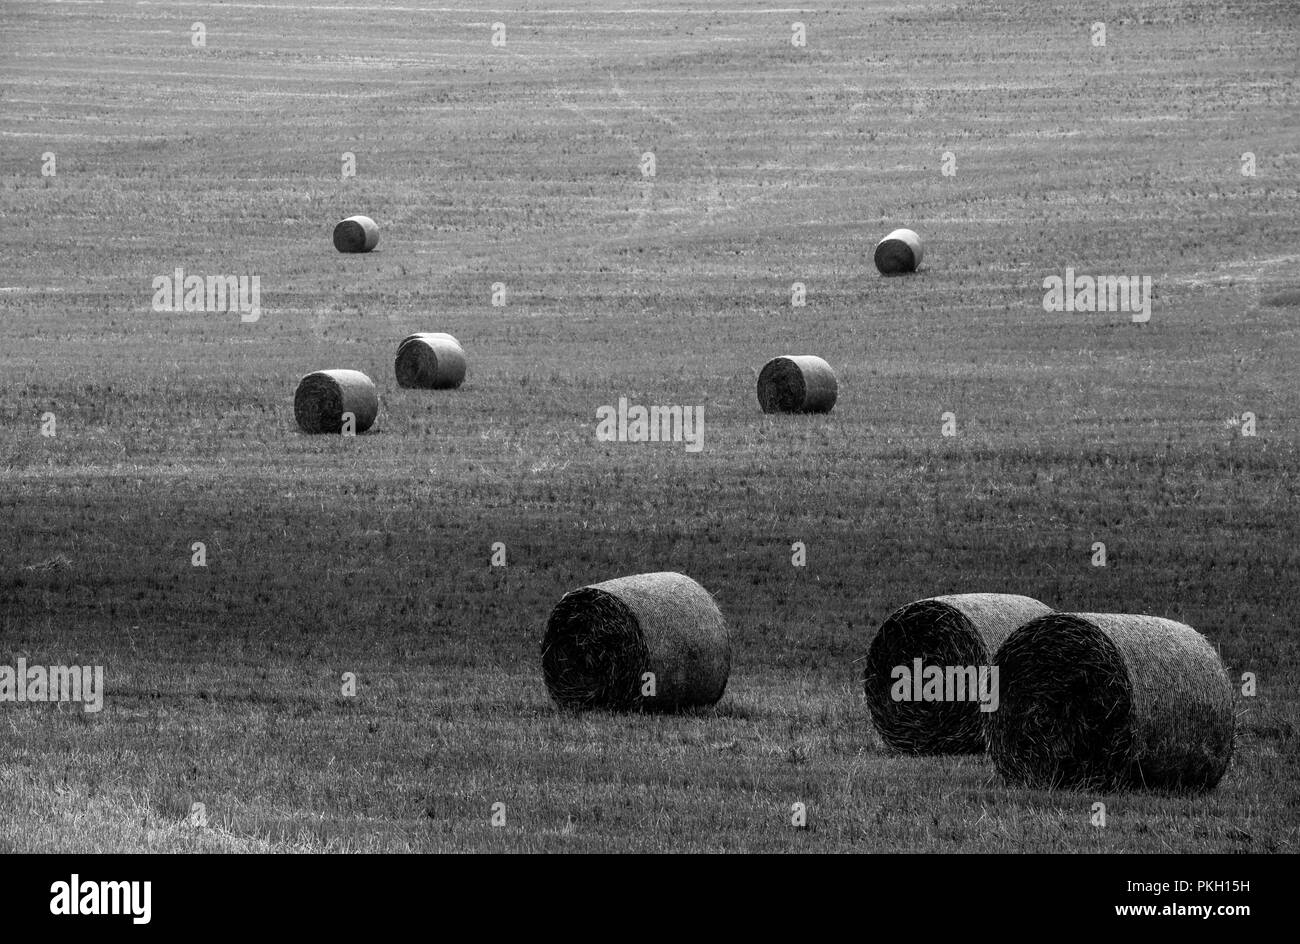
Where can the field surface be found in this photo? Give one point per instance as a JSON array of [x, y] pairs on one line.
[[516, 170]]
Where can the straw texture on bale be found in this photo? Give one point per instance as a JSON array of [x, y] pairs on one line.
[[600, 641], [356, 234], [798, 383], [899, 252], [960, 630], [1106, 701], [430, 361], [324, 396]]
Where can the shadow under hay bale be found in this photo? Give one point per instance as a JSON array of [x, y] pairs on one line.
[[958, 630], [1107, 701], [601, 640], [899, 252], [799, 383], [323, 396], [430, 361], [356, 234]]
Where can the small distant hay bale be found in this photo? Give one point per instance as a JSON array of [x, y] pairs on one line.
[[899, 252], [1287, 298], [1107, 701], [430, 361], [963, 629], [799, 383], [601, 640], [323, 396], [356, 234]]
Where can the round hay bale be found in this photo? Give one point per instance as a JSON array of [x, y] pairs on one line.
[[356, 234], [1283, 299], [323, 396], [1104, 701], [799, 383], [899, 252], [430, 361], [601, 640], [960, 630]]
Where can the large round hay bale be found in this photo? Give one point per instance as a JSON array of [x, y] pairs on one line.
[[1104, 701], [356, 234], [601, 640], [799, 383], [899, 252], [323, 396], [959, 630], [430, 361]]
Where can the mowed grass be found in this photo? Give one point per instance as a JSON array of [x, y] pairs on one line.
[[519, 165]]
